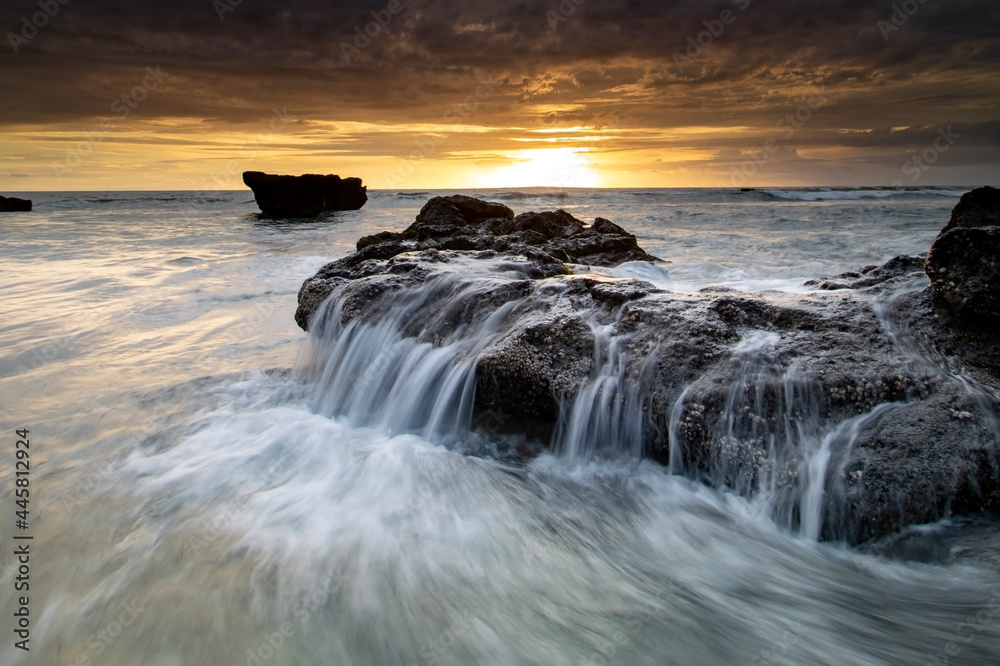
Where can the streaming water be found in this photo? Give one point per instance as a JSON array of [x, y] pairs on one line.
[[606, 418], [210, 486]]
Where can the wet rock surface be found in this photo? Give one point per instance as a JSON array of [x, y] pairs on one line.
[[463, 223], [304, 196], [856, 409], [964, 261]]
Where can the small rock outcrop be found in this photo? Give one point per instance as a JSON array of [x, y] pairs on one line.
[[306, 195], [14, 205], [964, 261], [463, 223], [548, 240]]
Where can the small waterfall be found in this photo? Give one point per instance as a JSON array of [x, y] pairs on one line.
[[676, 449], [770, 442], [608, 416], [392, 374], [744, 432], [835, 448]]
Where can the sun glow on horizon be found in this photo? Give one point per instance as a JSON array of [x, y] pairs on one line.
[[542, 167]]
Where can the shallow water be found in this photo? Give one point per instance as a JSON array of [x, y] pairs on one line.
[[187, 480]]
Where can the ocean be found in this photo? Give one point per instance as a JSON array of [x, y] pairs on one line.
[[190, 504]]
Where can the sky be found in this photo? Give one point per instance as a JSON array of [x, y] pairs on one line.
[[437, 94]]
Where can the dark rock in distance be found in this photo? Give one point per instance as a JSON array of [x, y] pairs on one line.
[[15, 205], [964, 261], [306, 195]]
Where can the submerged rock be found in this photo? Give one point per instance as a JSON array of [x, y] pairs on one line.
[[305, 196], [14, 205], [854, 410]]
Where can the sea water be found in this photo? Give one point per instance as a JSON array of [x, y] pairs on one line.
[[197, 498]]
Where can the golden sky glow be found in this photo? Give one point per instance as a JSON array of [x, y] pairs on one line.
[[542, 167], [490, 94]]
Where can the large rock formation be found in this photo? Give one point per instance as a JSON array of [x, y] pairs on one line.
[[13, 205], [856, 409], [964, 261], [305, 196]]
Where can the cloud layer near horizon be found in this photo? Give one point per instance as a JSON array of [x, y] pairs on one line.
[[449, 92]]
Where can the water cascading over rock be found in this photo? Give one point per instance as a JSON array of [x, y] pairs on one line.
[[847, 412]]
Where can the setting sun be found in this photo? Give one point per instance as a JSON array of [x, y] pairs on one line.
[[543, 167]]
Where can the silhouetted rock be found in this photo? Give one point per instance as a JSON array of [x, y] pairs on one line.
[[964, 261], [14, 205], [305, 196]]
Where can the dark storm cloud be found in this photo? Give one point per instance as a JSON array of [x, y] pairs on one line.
[[556, 64]]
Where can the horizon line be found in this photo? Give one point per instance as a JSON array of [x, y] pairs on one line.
[[901, 188]]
